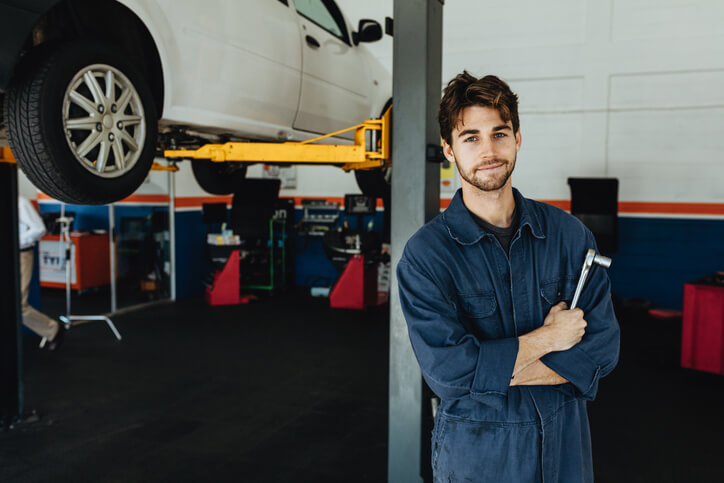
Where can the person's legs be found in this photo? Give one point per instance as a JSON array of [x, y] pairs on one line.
[[36, 321]]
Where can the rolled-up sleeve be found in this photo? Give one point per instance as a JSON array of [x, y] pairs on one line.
[[597, 353], [455, 364]]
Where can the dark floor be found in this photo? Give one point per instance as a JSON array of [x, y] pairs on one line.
[[289, 390], [283, 390]]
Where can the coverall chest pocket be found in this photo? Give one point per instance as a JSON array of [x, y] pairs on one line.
[[556, 290], [480, 312]]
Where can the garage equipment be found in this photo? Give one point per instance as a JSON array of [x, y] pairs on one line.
[[260, 221], [224, 289], [371, 149], [702, 347], [591, 258], [358, 251], [594, 201]]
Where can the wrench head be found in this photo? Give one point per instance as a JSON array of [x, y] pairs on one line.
[[605, 262]]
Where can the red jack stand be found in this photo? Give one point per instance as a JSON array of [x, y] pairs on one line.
[[357, 287], [225, 288]]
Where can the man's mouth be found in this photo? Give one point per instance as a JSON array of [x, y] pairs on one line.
[[489, 167]]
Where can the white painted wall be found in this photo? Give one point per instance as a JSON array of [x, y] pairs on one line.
[[630, 89], [25, 187]]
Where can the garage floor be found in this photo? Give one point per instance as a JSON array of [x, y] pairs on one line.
[[289, 390]]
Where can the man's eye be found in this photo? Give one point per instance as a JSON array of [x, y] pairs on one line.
[[471, 139], [500, 135]]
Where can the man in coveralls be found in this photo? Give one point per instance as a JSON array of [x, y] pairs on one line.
[[484, 288]]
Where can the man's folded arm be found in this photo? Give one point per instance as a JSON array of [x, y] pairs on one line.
[[537, 374], [597, 354], [455, 364]]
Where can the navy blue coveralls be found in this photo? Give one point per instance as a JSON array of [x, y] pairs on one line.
[[465, 303]]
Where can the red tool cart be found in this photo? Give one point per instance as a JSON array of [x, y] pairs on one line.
[[702, 334], [90, 261]]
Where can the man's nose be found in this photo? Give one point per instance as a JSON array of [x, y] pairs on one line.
[[486, 149]]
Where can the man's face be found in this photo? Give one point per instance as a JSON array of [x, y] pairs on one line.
[[484, 148]]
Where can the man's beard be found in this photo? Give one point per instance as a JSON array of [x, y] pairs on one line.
[[486, 183]]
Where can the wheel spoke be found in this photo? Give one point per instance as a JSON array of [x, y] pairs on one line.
[[118, 153], [130, 120], [109, 135], [110, 86], [103, 156], [123, 100], [92, 83], [83, 102], [130, 142], [87, 123], [90, 142]]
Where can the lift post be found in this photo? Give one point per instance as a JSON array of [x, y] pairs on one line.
[[371, 149], [11, 373]]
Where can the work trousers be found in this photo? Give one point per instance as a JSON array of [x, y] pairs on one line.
[[36, 321]]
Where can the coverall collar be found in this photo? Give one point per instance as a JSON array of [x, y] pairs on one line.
[[463, 229]]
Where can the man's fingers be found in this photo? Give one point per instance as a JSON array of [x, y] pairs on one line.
[[558, 307]]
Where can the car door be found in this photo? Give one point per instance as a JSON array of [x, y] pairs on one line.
[[336, 83], [232, 66]]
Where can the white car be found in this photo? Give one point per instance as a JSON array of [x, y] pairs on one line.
[[93, 89]]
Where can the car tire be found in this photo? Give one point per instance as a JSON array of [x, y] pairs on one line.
[[374, 182], [218, 178], [77, 139]]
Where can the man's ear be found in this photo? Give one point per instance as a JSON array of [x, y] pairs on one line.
[[447, 151], [518, 140]]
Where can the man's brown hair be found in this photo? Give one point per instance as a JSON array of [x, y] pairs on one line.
[[466, 90]]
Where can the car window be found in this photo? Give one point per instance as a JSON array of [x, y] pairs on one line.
[[325, 14]]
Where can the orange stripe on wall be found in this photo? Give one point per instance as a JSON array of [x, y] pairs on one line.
[[197, 201], [657, 207], [671, 208], [562, 204], [652, 207], [181, 201]]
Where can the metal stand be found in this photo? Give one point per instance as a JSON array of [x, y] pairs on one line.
[[68, 319]]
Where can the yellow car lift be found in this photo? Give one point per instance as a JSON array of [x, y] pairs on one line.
[[6, 156], [371, 149]]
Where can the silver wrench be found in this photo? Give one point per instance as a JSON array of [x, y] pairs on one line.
[[591, 258]]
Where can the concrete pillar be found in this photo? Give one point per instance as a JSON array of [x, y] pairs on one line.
[[417, 76]]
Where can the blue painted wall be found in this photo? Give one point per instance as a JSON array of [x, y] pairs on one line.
[[192, 264], [656, 256]]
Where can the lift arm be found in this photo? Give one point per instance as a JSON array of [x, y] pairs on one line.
[[371, 149], [6, 156]]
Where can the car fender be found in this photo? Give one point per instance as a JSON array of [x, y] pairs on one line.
[[154, 19]]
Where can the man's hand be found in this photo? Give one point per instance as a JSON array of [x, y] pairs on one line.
[[564, 328], [561, 330]]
